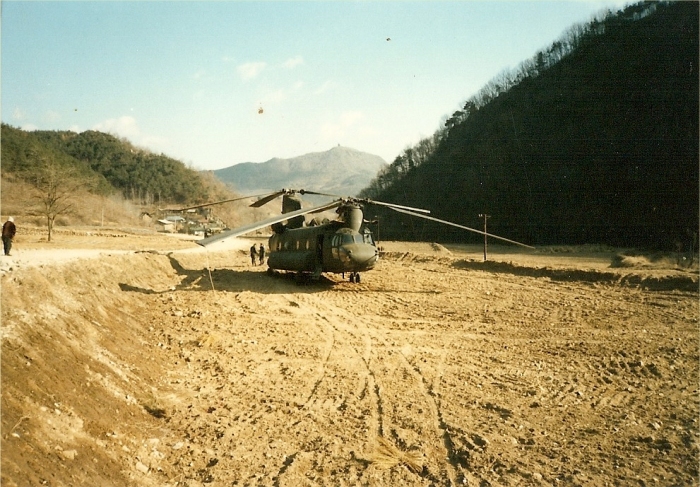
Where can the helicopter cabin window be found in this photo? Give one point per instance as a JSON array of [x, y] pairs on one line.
[[335, 243]]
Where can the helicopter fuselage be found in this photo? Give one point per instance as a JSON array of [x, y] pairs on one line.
[[331, 247]]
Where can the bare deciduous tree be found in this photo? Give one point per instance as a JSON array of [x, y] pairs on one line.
[[55, 187]]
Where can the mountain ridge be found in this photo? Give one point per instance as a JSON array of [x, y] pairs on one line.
[[339, 170]]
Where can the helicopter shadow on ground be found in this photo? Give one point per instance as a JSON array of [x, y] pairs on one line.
[[231, 280]]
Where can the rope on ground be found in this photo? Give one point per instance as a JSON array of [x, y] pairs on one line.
[[211, 281]]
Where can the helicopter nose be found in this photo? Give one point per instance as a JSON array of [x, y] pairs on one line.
[[362, 256]]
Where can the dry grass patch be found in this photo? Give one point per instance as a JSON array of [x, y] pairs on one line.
[[386, 456]]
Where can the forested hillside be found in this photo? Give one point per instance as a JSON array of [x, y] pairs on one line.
[[108, 165], [593, 140]]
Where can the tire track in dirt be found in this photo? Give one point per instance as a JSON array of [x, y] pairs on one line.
[[336, 319], [456, 466], [427, 391], [323, 366]]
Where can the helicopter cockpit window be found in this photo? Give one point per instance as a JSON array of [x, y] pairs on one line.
[[368, 238], [348, 239]]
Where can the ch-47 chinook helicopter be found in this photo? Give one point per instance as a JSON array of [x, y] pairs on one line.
[[340, 246]]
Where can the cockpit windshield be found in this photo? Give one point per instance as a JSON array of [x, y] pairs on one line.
[[348, 239], [352, 238]]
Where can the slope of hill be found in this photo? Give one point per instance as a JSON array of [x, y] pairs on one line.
[[340, 170], [594, 141], [107, 164]]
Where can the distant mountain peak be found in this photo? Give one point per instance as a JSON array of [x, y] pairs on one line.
[[338, 170]]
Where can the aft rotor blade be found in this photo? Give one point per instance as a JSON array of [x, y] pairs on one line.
[[272, 196], [463, 227], [397, 207], [204, 205], [264, 223], [304, 191], [267, 199]]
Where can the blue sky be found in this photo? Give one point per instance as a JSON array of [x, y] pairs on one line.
[[218, 83]]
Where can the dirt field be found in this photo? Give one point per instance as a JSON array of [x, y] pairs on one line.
[[126, 364]]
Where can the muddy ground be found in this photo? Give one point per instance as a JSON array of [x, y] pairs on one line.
[[145, 367]]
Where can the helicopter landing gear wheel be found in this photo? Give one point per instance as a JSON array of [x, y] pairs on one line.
[[355, 277]]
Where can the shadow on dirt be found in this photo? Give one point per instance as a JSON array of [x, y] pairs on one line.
[[652, 283], [229, 280]]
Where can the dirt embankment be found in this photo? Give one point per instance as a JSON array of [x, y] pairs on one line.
[[147, 369]]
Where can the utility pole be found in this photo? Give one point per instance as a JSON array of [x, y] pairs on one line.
[[485, 217]]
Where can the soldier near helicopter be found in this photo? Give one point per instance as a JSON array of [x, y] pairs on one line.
[[253, 254], [261, 253]]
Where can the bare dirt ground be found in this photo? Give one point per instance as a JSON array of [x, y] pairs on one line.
[[124, 363]]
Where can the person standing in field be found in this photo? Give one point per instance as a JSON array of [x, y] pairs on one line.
[[253, 254], [261, 253], [8, 233]]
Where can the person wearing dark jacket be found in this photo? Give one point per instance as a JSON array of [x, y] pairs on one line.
[[261, 253], [8, 233]]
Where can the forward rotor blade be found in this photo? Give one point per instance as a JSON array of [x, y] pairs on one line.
[[462, 226], [396, 207], [264, 223]]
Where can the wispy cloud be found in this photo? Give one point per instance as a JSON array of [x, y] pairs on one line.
[[250, 70], [347, 122], [274, 97], [126, 126], [51, 117], [324, 87], [293, 62], [281, 94], [19, 114]]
